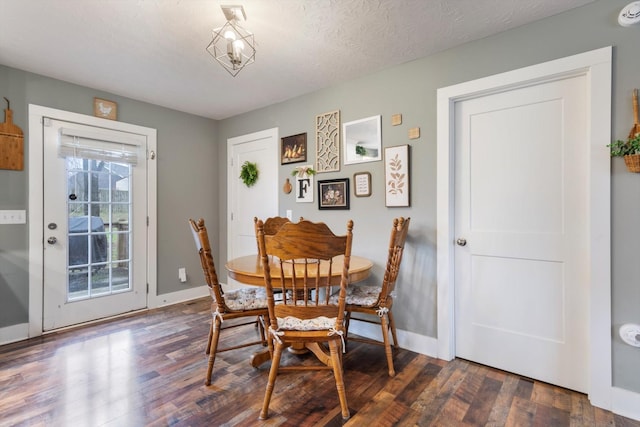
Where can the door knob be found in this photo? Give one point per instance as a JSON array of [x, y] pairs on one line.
[[461, 242], [52, 240]]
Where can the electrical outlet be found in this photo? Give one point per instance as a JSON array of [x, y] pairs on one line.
[[290, 214], [182, 274]]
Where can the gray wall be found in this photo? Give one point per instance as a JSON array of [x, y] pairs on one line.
[[410, 89], [189, 183]]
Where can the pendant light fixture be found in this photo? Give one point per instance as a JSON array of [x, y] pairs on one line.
[[232, 45]]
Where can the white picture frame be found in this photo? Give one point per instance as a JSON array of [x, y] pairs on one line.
[[362, 140], [304, 186], [397, 176]]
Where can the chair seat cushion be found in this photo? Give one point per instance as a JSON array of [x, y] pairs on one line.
[[291, 323], [246, 298], [365, 296]]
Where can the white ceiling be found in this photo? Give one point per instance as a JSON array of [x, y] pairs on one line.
[[154, 50]]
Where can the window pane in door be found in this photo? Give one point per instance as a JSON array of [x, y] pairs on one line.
[[99, 206]]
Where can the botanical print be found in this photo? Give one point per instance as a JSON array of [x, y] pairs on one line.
[[396, 173], [396, 183]]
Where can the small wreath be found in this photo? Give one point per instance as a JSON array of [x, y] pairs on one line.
[[249, 173]]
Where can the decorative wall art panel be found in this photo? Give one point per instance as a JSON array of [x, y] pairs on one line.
[[328, 142]]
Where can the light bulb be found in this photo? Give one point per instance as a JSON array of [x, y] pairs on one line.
[[229, 35]]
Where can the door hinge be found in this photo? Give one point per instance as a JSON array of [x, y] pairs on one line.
[[46, 121], [231, 216], [147, 221], [147, 288], [231, 161]]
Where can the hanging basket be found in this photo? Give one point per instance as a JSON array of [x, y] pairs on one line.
[[633, 162]]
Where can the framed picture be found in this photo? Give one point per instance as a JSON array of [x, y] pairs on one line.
[[362, 184], [396, 176], [304, 185], [293, 149], [333, 194], [105, 109], [362, 141]]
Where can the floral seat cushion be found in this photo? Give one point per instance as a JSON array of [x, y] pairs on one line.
[[245, 299], [365, 296], [291, 323]]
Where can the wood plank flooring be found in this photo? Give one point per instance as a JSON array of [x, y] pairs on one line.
[[148, 370]]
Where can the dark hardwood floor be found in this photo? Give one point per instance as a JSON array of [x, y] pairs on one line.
[[149, 368]]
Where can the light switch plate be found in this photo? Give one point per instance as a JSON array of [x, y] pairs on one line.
[[13, 217]]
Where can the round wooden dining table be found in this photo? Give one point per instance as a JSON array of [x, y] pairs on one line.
[[248, 270]]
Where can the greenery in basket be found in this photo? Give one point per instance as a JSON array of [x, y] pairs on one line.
[[249, 173], [621, 148]]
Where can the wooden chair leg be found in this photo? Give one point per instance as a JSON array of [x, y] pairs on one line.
[[208, 349], [335, 350], [392, 324], [384, 322], [347, 318], [273, 373], [215, 336]]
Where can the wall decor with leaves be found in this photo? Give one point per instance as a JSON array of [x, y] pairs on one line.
[[396, 176]]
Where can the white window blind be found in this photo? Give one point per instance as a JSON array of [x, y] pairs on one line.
[[95, 145]]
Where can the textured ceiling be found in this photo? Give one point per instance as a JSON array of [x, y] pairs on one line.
[[154, 50]]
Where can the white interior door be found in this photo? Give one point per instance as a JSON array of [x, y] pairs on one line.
[[261, 199], [521, 185], [95, 223]]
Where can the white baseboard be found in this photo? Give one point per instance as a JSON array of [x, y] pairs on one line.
[[408, 340], [177, 297], [625, 403], [14, 333]]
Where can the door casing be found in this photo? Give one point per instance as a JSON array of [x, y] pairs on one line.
[[596, 66], [37, 114]]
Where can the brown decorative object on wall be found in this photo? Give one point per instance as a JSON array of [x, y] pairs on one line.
[[362, 184], [11, 143], [328, 142], [105, 109], [293, 149]]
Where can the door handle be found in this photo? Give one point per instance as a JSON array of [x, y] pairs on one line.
[[461, 242], [52, 240]]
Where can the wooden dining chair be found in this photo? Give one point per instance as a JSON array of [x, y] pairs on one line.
[[304, 315], [271, 226], [377, 300], [250, 303]]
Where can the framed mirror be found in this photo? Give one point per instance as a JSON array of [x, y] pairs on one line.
[[362, 141]]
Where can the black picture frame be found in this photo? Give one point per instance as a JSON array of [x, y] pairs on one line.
[[333, 194], [293, 149]]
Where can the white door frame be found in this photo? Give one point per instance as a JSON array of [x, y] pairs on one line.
[[36, 204], [596, 66]]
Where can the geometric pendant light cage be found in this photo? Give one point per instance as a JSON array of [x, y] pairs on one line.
[[232, 45]]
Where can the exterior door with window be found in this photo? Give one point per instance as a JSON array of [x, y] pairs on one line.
[[95, 223]]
